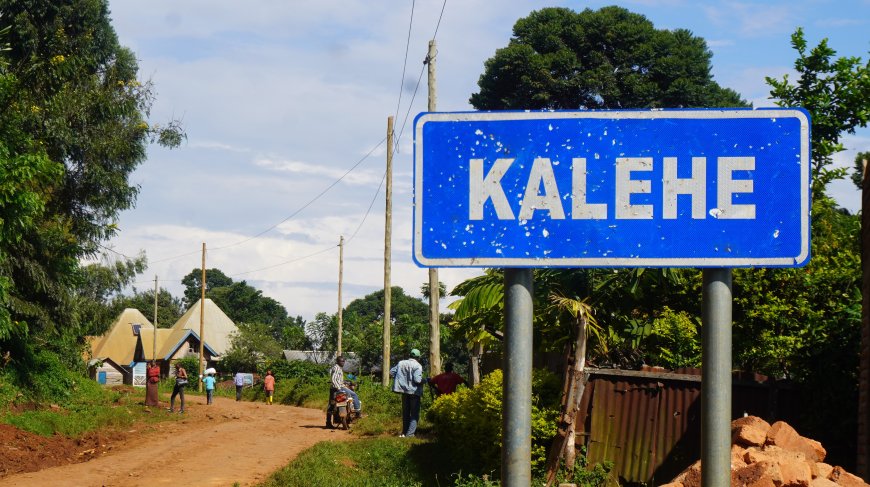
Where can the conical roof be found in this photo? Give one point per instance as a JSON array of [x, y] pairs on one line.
[[119, 343], [217, 326]]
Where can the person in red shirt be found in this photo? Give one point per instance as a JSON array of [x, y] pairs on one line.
[[153, 378], [446, 382], [269, 386]]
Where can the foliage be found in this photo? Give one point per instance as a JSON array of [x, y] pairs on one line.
[[608, 58], [251, 346], [75, 121], [469, 425], [98, 285], [861, 160], [302, 370], [214, 278], [836, 92], [168, 307], [245, 304], [363, 329], [191, 365], [388, 462], [673, 341]]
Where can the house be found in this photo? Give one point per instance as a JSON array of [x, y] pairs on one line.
[[119, 356], [218, 328]]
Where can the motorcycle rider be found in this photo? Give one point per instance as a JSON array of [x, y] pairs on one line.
[[339, 385]]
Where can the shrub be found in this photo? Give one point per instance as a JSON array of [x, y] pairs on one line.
[[469, 424], [298, 369], [191, 365]]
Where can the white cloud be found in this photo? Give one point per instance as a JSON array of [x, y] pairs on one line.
[[298, 167]]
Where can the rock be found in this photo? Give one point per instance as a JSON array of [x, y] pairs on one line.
[[822, 470], [749, 431], [690, 477], [795, 473], [781, 434], [822, 482], [754, 472], [845, 479]]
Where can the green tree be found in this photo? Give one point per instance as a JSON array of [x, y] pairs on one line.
[[607, 58], [99, 285], [169, 308], [836, 92], [78, 104], [214, 278], [252, 345]]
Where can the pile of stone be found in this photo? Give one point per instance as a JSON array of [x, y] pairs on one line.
[[773, 456]]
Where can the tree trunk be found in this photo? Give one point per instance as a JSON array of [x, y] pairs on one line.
[[476, 352], [573, 386]]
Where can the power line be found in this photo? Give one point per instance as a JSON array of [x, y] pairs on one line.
[[439, 20], [285, 263], [405, 65], [375, 197], [299, 210]]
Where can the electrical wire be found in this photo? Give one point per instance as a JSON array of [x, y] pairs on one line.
[[375, 197], [299, 210], [405, 64], [439, 20]]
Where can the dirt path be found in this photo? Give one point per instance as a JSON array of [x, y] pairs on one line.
[[220, 444]]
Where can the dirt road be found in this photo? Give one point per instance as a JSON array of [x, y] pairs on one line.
[[214, 445]]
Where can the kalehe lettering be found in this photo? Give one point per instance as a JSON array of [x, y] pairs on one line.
[[543, 194]]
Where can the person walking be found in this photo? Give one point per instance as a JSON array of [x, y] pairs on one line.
[[209, 388], [269, 386], [239, 379], [152, 381], [408, 381], [180, 383], [446, 382]]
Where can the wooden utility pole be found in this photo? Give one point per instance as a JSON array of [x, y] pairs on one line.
[[154, 344], [340, 272], [434, 285], [202, 319], [863, 460], [388, 235]]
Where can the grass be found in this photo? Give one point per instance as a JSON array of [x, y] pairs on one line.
[[387, 462]]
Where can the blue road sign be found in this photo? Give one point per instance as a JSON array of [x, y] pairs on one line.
[[660, 188]]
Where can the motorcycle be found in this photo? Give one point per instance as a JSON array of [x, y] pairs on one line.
[[340, 411]]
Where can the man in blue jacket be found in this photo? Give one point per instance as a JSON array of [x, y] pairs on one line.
[[408, 381]]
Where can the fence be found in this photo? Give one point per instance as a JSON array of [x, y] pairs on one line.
[[648, 422]]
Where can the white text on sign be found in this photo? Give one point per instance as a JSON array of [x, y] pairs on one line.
[[483, 188]]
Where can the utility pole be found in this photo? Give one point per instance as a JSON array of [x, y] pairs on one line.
[[154, 345], [863, 460], [434, 285], [202, 318], [388, 234], [340, 272]]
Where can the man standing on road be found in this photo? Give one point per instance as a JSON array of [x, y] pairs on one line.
[[337, 379], [408, 381], [239, 379]]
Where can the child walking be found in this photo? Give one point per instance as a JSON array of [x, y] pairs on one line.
[[209, 387], [269, 386]]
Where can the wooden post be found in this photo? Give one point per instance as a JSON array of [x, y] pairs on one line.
[[340, 272], [202, 319], [388, 233], [154, 344], [434, 285]]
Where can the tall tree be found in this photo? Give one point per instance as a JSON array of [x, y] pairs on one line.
[[214, 278], [836, 92], [607, 58], [78, 101]]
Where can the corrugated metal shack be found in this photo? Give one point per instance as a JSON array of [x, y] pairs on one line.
[[648, 422]]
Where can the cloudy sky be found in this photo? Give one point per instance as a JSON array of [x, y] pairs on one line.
[[283, 100]]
